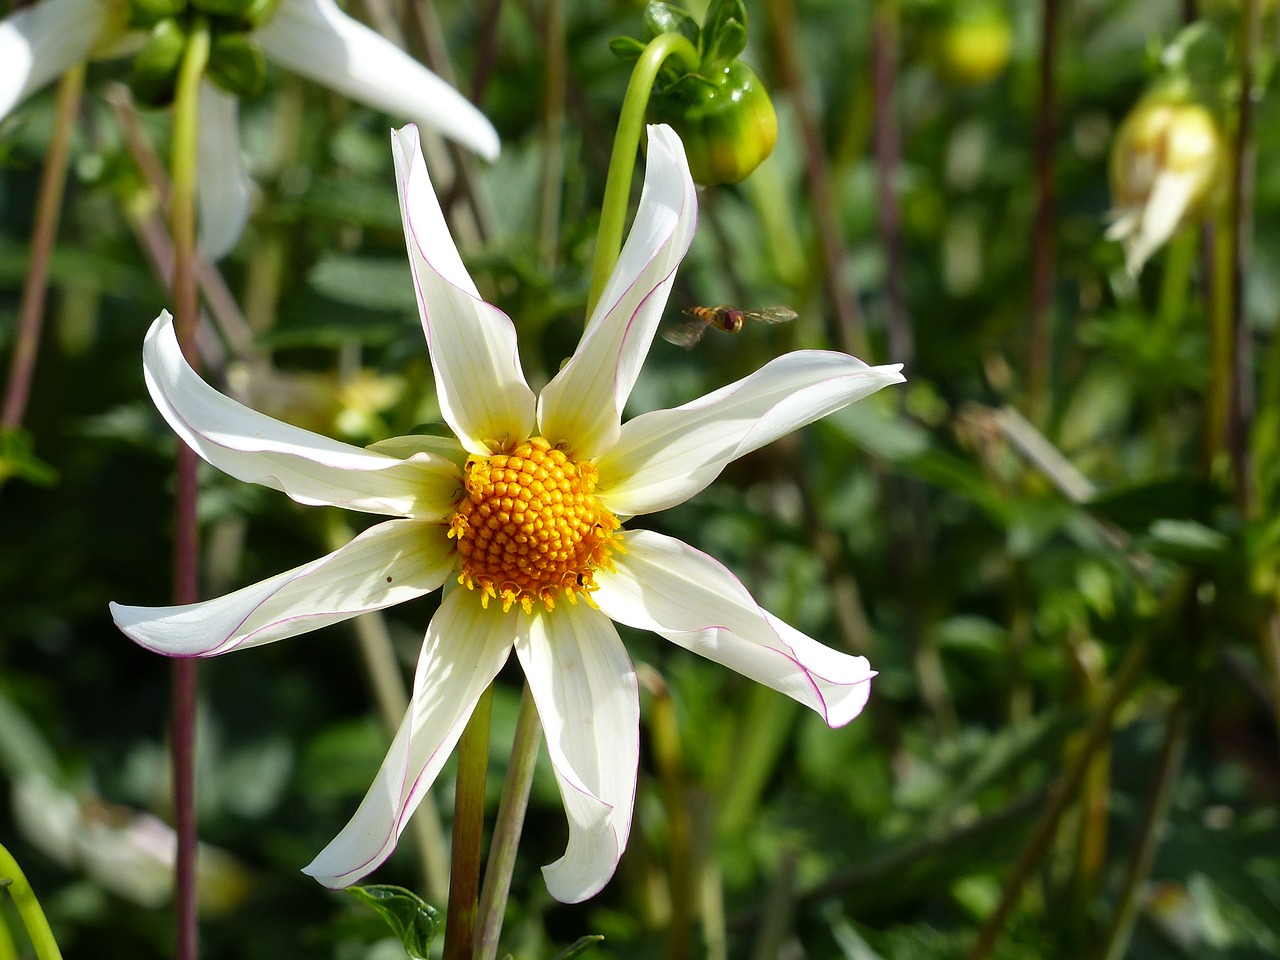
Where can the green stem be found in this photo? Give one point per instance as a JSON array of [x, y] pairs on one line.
[[24, 899], [468, 832], [622, 162], [507, 827], [186, 108], [8, 949]]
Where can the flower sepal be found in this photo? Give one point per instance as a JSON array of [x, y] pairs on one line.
[[236, 64], [154, 76]]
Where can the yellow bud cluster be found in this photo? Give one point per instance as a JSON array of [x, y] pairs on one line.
[[530, 528]]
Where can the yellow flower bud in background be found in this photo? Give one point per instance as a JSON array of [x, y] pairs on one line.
[[1166, 161], [972, 46]]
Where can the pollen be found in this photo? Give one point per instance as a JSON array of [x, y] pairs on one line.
[[530, 529]]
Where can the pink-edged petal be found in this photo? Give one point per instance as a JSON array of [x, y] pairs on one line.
[[224, 188], [680, 593], [390, 563], [39, 42], [317, 40], [665, 457], [585, 689], [481, 388], [583, 404], [311, 469], [464, 649]]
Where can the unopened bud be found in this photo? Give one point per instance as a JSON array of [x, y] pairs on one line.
[[727, 122], [236, 64], [1165, 164], [154, 78]]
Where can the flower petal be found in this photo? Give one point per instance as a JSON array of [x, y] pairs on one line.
[[316, 39], [481, 388], [666, 586], [387, 564], [585, 689], [311, 469], [465, 647], [665, 457], [583, 404], [224, 188], [39, 42], [1161, 215]]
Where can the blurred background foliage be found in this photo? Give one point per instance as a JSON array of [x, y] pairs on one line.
[[1068, 601]]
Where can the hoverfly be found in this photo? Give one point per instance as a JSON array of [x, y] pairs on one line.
[[698, 320]]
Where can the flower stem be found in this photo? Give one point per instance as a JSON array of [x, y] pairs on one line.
[[186, 545], [48, 207], [468, 832], [24, 898], [507, 828], [622, 162]]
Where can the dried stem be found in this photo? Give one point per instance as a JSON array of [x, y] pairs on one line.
[[847, 330], [551, 133], [186, 529], [48, 209], [1040, 329]]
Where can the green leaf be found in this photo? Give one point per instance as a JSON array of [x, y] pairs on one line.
[[1137, 507], [373, 283], [410, 917], [579, 947], [1186, 541], [724, 33], [660, 18], [18, 459], [627, 49]]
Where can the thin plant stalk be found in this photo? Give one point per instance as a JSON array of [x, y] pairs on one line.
[[1043, 246], [846, 330], [468, 832], [888, 154], [551, 132], [1068, 784], [507, 828], [186, 536], [48, 209], [1154, 817], [8, 949], [622, 161], [24, 898]]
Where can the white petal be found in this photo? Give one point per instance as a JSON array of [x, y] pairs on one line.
[[585, 689], [583, 404], [223, 188], [317, 40], [41, 41], [1161, 215], [666, 586], [481, 388], [310, 468], [464, 649], [665, 457], [390, 563]]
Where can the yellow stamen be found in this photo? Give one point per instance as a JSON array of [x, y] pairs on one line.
[[530, 528]]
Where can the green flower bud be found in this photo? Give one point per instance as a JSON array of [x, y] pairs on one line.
[[223, 8], [727, 122], [236, 64], [258, 12], [147, 13], [972, 47], [155, 69]]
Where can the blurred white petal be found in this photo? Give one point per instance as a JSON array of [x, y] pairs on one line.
[[40, 42], [223, 186], [317, 40]]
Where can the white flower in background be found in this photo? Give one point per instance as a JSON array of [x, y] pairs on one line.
[[310, 37], [1165, 162], [520, 520]]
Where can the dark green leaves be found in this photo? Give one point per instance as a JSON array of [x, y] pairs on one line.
[[410, 917]]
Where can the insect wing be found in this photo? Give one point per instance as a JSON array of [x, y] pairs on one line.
[[771, 314], [686, 333]]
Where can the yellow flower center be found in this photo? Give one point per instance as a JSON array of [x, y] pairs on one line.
[[530, 527]]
